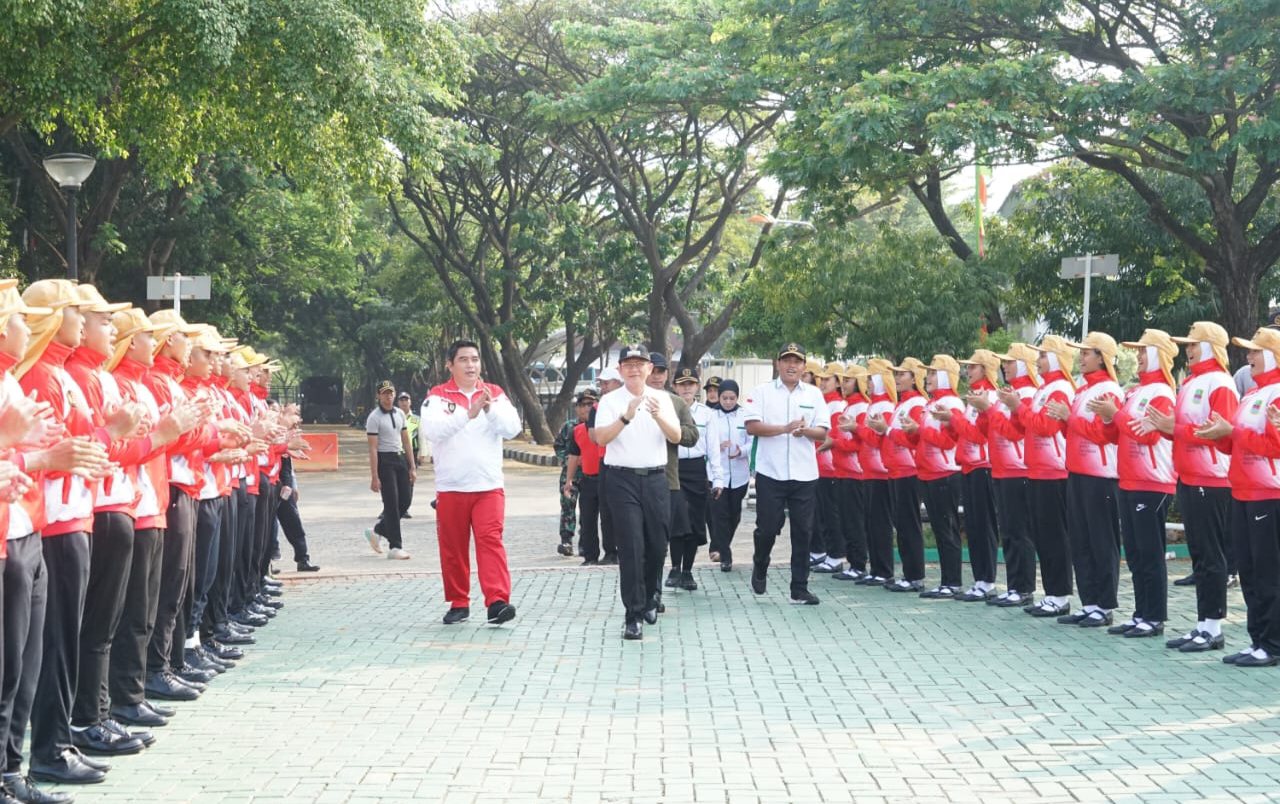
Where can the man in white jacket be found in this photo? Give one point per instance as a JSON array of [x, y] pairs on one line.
[[466, 420]]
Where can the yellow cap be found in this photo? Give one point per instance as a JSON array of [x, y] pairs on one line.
[[990, 362], [93, 301], [49, 294], [1265, 339], [129, 323], [1212, 334], [1105, 345], [878, 366], [1062, 349], [830, 370], [917, 368], [1027, 356], [949, 366], [1166, 349]]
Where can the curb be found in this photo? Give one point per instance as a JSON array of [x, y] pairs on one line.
[[530, 457]]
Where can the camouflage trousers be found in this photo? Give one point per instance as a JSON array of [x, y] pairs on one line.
[[568, 507]]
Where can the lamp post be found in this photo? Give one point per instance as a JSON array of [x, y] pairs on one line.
[[70, 171]]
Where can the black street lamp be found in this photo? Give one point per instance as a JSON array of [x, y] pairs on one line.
[[70, 171]]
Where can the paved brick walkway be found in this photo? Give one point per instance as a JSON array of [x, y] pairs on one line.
[[357, 693]]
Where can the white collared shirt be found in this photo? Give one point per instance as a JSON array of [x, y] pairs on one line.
[[641, 444], [786, 457]]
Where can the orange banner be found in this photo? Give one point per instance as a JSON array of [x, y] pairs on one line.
[[324, 453]]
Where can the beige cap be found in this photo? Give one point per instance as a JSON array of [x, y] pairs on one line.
[[878, 366], [1027, 356], [91, 299], [1212, 334], [1166, 349], [917, 368], [129, 323], [989, 361], [949, 366], [1062, 349], [47, 294], [1265, 339], [1105, 345], [830, 370]]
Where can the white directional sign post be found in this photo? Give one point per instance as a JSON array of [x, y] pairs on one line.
[[178, 287], [1089, 266]]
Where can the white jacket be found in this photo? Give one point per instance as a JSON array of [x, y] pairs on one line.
[[467, 452]]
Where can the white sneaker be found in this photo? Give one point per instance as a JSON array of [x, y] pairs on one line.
[[373, 539], [398, 554]]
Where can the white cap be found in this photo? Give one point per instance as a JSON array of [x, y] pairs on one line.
[[609, 374]]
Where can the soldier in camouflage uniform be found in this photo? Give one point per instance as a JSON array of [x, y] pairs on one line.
[[568, 502]]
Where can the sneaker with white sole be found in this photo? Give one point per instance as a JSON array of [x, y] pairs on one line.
[[399, 554], [373, 540]]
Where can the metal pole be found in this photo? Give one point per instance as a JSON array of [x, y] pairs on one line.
[[1088, 275], [73, 249], [177, 293]]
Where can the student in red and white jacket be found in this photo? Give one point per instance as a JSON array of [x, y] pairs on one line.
[[970, 429], [1006, 446], [882, 394], [935, 446], [827, 552], [466, 420], [1045, 448], [1147, 480], [1093, 517], [1253, 439], [850, 492], [68, 515], [1204, 491], [898, 453]]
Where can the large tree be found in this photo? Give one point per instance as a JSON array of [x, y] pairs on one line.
[[673, 128], [1156, 88]]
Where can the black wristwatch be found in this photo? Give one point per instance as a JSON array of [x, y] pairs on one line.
[[625, 421]]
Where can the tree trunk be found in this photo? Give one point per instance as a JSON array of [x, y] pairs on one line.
[[520, 386], [1242, 310]]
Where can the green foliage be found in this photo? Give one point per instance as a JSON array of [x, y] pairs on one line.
[[878, 287]]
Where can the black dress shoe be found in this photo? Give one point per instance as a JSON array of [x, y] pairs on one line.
[[98, 739], [267, 603], [191, 675], [632, 631], [457, 614], [805, 599], [1232, 658], [609, 558], [6, 797], [1042, 610], [249, 618], [66, 769], [501, 612], [166, 687], [193, 659], [1073, 618], [673, 579], [565, 548], [223, 652], [148, 739], [589, 562], [162, 711], [1156, 629], [276, 591], [93, 762], [305, 565], [759, 579], [1249, 660], [687, 582], [261, 610], [208, 657], [1202, 643], [1186, 580], [1095, 619], [726, 566], [232, 638], [650, 615], [23, 788], [1120, 628], [138, 715]]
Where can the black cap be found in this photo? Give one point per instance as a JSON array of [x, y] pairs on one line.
[[712, 382], [587, 397], [633, 351], [729, 385], [686, 375], [792, 349], [658, 359]]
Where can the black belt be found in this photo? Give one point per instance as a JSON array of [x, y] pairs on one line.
[[643, 471]]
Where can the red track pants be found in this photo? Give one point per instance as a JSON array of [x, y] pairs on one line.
[[458, 515]]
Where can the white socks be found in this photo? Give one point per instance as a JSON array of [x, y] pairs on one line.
[[1210, 627]]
